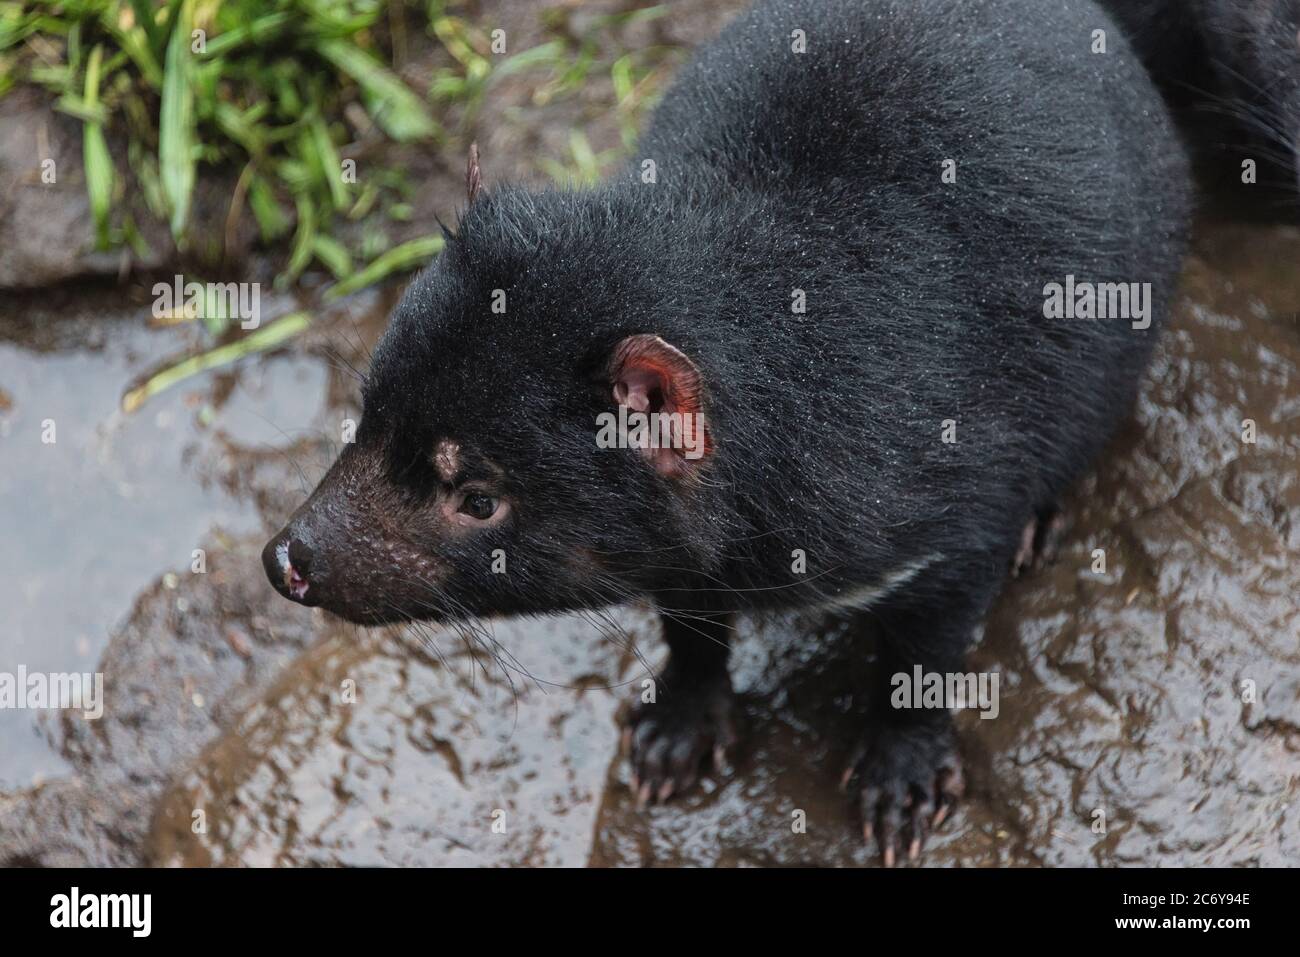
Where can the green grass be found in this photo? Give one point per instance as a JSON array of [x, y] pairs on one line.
[[271, 87], [277, 94]]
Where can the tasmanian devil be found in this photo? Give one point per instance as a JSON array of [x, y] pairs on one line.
[[890, 270]]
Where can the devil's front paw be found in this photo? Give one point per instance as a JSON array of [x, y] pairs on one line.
[[672, 740], [904, 781]]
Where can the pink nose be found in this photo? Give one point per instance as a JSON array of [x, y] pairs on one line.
[[296, 584]]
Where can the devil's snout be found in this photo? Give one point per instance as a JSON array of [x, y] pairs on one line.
[[344, 549]]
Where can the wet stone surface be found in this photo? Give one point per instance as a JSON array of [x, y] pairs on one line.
[[458, 757]]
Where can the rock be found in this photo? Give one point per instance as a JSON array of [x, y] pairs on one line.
[[172, 682], [376, 749], [47, 231]]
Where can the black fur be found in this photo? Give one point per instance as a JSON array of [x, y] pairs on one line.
[[780, 171], [1234, 61]]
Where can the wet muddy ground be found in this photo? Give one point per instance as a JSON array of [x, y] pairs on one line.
[[1159, 695]]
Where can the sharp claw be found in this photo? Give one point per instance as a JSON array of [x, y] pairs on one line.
[[889, 838], [668, 754], [896, 807], [846, 777]]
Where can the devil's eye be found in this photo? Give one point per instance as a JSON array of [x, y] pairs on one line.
[[477, 506]]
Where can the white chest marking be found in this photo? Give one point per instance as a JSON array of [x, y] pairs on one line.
[[863, 597]]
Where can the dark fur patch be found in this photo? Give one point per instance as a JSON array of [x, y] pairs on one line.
[[1235, 65]]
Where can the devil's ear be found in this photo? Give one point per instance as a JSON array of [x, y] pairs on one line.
[[473, 174], [649, 376]]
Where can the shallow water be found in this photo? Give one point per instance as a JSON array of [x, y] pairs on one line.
[[115, 500], [1161, 696]]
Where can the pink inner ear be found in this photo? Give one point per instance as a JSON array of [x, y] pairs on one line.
[[635, 387], [650, 376]]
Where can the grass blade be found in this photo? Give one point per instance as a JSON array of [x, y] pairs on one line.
[[176, 135], [146, 18], [268, 337], [271, 220], [334, 255], [94, 151], [330, 165], [401, 258], [395, 108], [301, 252]]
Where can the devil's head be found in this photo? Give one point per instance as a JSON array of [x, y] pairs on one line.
[[477, 483]]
